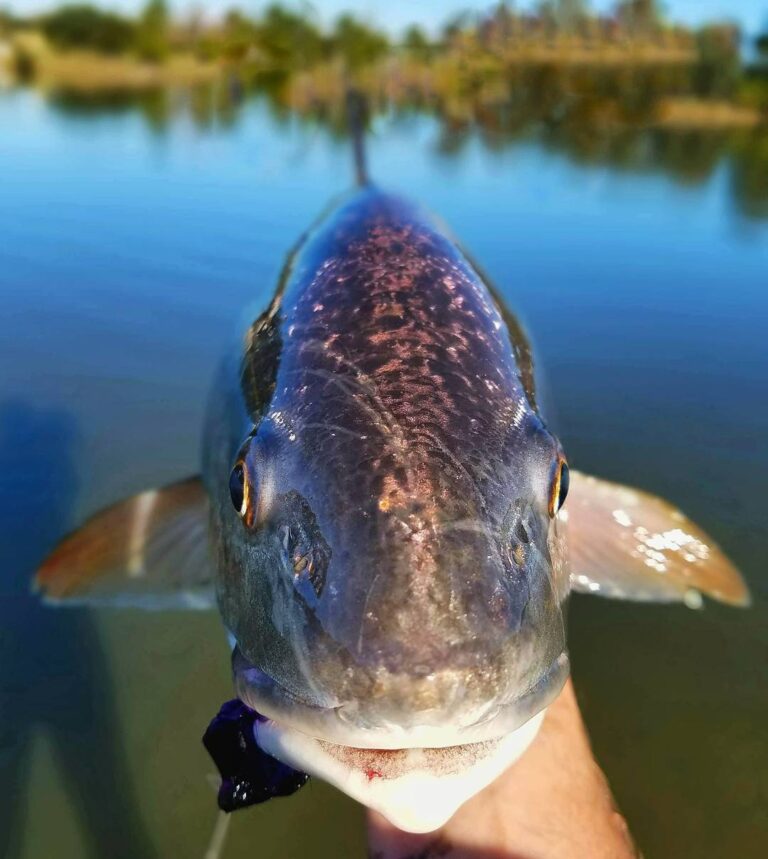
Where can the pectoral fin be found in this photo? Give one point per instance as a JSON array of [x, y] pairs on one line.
[[149, 551], [628, 544]]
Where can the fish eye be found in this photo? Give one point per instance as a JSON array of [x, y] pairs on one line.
[[558, 491], [238, 489]]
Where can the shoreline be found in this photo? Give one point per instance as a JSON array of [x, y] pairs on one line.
[[88, 73]]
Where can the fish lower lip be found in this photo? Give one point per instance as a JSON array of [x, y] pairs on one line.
[[416, 789], [329, 723]]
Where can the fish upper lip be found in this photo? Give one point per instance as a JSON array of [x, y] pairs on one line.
[[332, 724]]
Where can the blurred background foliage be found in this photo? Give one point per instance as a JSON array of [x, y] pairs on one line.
[[286, 41], [610, 87]]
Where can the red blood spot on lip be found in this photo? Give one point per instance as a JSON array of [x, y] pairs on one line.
[[371, 774]]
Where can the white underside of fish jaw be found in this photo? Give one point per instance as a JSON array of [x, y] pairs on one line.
[[417, 789]]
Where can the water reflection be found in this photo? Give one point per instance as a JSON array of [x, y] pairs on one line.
[[592, 116], [53, 674], [750, 175]]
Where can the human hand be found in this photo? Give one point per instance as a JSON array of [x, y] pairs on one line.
[[554, 803]]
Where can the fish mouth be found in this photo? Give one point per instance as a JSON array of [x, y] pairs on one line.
[[417, 789], [340, 723], [415, 776]]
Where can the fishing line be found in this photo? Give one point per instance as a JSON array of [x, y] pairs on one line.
[[218, 836]]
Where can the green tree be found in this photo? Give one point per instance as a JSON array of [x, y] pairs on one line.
[[86, 27], [640, 17], [356, 43], [454, 27], [152, 32], [761, 44], [571, 14], [547, 15], [719, 66], [416, 43], [503, 19], [289, 40], [240, 35]]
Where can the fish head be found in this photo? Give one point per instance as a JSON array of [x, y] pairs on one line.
[[388, 593]]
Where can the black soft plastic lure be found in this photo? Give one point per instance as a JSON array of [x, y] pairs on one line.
[[248, 775]]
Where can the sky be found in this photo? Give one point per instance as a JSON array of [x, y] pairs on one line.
[[396, 14]]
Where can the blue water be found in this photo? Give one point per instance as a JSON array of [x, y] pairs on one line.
[[127, 254]]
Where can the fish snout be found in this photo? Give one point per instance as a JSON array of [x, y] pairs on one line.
[[479, 695], [461, 696], [460, 631]]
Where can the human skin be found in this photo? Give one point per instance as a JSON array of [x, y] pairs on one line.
[[554, 803]]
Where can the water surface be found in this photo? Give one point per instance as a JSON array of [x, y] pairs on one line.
[[131, 242]]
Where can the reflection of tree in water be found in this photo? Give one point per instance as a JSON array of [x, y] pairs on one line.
[[594, 115], [208, 107], [53, 676], [690, 156], [607, 118], [750, 175], [153, 104]]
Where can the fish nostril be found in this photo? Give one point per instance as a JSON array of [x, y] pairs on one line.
[[304, 549], [521, 532]]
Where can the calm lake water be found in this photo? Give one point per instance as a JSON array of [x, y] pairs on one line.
[[129, 249]]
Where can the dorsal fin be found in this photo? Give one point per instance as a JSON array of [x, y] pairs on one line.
[[357, 120]]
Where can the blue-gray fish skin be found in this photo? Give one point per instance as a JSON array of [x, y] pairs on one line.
[[395, 564]]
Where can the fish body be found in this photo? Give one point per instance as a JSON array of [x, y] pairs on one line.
[[380, 517]]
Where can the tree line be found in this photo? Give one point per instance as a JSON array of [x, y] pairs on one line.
[[283, 38]]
